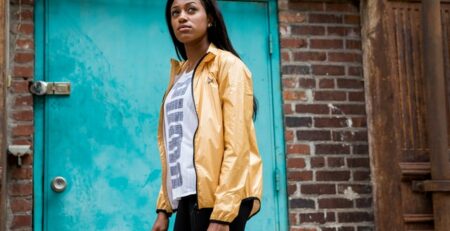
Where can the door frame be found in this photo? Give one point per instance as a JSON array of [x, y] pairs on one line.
[[279, 166]]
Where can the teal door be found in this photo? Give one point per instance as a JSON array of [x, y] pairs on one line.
[[102, 137]]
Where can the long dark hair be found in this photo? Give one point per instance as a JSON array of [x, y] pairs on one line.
[[217, 34]]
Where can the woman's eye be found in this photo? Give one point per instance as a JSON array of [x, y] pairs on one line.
[[191, 10], [175, 13]]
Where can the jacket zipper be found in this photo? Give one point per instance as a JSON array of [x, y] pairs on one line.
[[195, 133]]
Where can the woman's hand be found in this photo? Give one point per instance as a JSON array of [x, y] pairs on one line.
[[161, 223], [218, 227]]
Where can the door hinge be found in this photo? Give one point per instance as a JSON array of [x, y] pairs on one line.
[[270, 44], [277, 179]]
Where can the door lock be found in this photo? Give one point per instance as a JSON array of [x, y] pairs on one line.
[[50, 88], [59, 184]]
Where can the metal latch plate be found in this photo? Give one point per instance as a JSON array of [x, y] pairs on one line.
[[59, 88]]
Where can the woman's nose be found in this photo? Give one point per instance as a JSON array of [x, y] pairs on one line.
[[182, 17]]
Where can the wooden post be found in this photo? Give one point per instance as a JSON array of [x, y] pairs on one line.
[[433, 64], [3, 55]]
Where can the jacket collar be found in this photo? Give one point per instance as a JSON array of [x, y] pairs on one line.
[[211, 53]]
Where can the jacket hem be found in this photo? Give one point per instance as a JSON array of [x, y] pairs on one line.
[[164, 211]]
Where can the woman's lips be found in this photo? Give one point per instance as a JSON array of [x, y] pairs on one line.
[[184, 28]]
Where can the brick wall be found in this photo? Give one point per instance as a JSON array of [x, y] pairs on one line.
[[326, 134], [327, 151], [20, 115]]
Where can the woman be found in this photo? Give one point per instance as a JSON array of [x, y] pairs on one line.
[[212, 170]]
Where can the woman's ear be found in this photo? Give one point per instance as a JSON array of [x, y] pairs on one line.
[[210, 22]]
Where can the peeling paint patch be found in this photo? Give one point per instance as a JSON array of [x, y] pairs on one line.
[[350, 194]]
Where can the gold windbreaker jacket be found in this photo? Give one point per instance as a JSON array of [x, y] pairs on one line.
[[226, 157]]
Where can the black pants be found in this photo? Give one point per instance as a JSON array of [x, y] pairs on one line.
[[190, 218]]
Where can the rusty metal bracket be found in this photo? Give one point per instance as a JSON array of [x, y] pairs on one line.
[[431, 186]]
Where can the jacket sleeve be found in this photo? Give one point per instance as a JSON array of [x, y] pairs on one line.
[[236, 92], [162, 205]]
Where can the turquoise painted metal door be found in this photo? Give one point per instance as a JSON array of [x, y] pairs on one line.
[[102, 138]]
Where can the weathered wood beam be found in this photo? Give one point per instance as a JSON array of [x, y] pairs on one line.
[[433, 64]]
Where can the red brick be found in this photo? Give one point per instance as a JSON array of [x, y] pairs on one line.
[[332, 175], [23, 115], [24, 15], [292, 17], [350, 217], [352, 19], [294, 95], [353, 44], [332, 149], [312, 108], [364, 202], [24, 57], [23, 71], [287, 109], [20, 205], [359, 122], [298, 149], [350, 83], [346, 136], [25, 28], [350, 109], [318, 189], [300, 175], [308, 30], [293, 218], [325, 18], [357, 188], [358, 163], [307, 83], [25, 44], [302, 203], [296, 70], [292, 188], [23, 2], [361, 175], [21, 189], [22, 173], [289, 135], [343, 31], [335, 162], [334, 122], [354, 71], [317, 162], [21, 221], [306, 6], [289, 83], [357, 96], [361, 149], [23, 130], [293, 43], [334, 203], [313, 135], [285, 56], [19, 86], [341, 7], [296, 163], [326, 83], [23, 101], [305, 56], [344, 57], [328, 70], [320, 218], [326, 43], [330, 96]]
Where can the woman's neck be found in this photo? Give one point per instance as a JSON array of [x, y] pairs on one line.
[[195, 51]]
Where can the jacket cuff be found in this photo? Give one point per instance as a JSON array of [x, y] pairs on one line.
[[220, 222], [164, 211]]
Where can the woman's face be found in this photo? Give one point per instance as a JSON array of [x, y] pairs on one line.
[[189, 21]]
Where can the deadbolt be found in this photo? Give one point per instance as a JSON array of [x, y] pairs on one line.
[[50, 88], [59, 184]]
